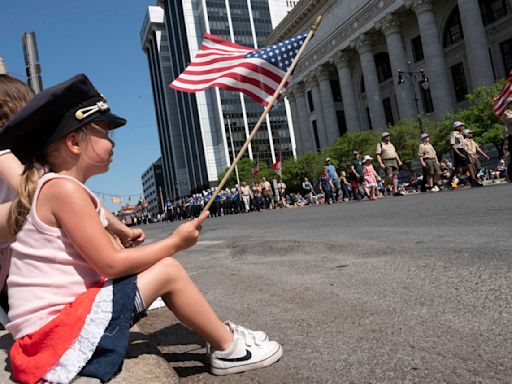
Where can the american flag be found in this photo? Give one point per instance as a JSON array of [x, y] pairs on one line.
[[277, 166], [500, 103], [254, 72]]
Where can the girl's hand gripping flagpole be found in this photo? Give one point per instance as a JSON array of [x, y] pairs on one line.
[[314, 27]]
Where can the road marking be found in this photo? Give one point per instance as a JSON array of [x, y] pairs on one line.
[[210, 242]]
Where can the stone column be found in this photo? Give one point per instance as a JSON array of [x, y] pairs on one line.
[[435, 63], [475, 40], [364, 47], [306, 133], [342, 61], [390, 26], [291, 96], [312, 82], [328, 108]]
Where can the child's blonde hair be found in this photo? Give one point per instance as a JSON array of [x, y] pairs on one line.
[[28, 181]]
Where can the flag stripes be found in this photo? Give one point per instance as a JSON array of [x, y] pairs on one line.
[[255, 72], [500, 101]]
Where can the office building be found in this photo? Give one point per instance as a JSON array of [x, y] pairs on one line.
[[348, 78], [153, 187]]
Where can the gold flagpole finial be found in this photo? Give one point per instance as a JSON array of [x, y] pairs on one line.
[[317, 22]]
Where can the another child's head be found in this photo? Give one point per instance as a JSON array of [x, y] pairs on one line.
[[425, 138], [64, 127], [14, 94], [367, 160]]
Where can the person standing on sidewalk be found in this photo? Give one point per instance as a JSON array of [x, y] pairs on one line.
[[335, 179], [390, 162], [356, 175], [246, 196], [429, 163]]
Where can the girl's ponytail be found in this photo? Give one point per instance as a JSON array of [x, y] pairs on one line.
[[22, 203]]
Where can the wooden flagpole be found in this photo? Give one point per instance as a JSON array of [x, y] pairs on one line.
[[269, 106]]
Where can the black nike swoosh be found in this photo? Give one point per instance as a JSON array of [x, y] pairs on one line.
[[247, 356]]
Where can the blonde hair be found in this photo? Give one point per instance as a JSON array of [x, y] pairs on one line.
[[28, 181]]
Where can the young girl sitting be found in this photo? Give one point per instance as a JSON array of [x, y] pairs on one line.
[[370, 177], [73, 295]]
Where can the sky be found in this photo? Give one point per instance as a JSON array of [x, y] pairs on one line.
[[100, 39]]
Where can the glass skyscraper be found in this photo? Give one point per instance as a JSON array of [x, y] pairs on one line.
[[204, 121]]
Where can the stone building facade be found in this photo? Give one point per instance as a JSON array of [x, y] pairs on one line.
[[348, 77]]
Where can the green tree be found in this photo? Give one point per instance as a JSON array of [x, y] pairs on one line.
[[363, 141], [309, 165], [479, 117], [245, 167]]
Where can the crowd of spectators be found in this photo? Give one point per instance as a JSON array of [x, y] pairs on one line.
[[359, 181]]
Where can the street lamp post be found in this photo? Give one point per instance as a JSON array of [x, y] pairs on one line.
[[414, 77]]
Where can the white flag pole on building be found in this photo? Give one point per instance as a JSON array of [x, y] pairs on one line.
[[314, 27]]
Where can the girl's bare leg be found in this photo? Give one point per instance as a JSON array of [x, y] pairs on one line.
[[168, 279]]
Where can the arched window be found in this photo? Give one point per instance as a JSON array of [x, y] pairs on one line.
[[493, 10], [383, 66], [453, 29]]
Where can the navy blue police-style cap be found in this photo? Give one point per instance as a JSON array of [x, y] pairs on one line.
[[52, 114]]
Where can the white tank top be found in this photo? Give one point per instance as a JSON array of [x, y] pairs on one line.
[[46, 271]]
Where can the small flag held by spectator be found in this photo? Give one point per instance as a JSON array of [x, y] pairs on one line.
[[256, 169], [277, 166], [255, 72], [501, 101]]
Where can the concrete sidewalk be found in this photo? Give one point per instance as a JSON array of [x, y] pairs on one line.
[[144, 362]]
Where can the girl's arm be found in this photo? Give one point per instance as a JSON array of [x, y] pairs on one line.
[[4, 214], [10, 170], [74, 211]]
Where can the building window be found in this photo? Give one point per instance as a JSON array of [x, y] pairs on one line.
[[417, 49], [336, 93], [459, 82], [342, 122], [453, 30], [493, 10], [310, 101], [315, 134], [383, 66], [506, 54], [388, 111], [426, 98]]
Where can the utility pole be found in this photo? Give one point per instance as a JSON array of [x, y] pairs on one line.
[[33, 68]]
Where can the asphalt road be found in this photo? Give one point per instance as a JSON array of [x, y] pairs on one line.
[[400, 290]]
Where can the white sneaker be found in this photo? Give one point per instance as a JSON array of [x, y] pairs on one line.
[[435, 188], [249, 350]]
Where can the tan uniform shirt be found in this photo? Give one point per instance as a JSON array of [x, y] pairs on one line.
[[427, 151], [386, 151], [507, 119], [456, 139], [245, 190], [471, 147], [266, 187]]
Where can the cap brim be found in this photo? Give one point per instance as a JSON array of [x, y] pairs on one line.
[[113, 120]]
